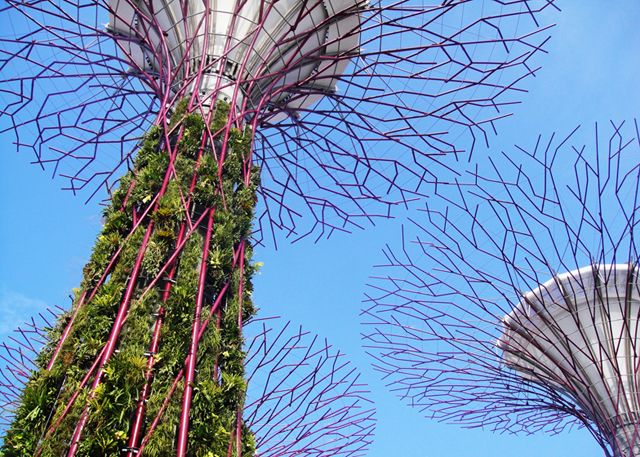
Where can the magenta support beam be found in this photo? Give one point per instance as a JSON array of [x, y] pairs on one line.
[[178, 377], [193, 350], [67, 330], [139, 415], [113, 338], [155, 422], [73, 399], [240, 300], [240, 286], [238, 431]]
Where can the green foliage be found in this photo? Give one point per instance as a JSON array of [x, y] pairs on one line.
[[178, 112], [150, 146], [220, 117], [220, 386]]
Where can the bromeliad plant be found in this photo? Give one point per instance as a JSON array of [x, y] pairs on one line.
[[150, 358]]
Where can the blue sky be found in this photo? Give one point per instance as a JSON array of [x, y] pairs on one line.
[[589, 75]]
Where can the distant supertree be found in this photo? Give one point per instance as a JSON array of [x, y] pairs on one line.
[[516, 308], [198, 101]]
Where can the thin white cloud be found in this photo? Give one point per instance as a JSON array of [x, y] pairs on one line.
[[16, 309]]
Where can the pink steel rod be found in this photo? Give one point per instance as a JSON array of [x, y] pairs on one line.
[[203, 52], [111, 342], [126, 197], [239, 430], [15, 362], [28, 346], [191, 359], [139, 416], [240, 290], [240, 299], [215, 367], [71, 401], [155, 422], [178, 377], [120, 318], [67, 329], [214, 308], [134, 214], [135, 434], [230, 448], [66, 332]]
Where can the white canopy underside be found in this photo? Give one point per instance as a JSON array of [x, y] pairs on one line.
[[578, 332], [260, 46]]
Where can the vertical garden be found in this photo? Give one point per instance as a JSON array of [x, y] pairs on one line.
[[157, 320]]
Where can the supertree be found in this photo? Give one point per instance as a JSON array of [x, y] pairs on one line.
[[516, 307], [199, 101]]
